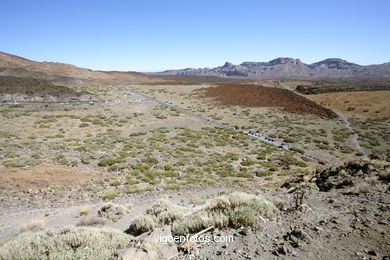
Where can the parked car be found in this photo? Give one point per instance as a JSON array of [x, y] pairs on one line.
[[322, 162]]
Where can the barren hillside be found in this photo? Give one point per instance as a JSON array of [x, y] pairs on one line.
[[55, 68]]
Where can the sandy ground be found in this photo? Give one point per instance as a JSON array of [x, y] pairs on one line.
[[42, 176]]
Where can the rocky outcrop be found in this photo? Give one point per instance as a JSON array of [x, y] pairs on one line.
[[350, 174]]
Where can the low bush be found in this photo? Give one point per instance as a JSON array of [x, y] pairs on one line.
[[107, 161], [113, 212], [110, 195], [236, 209], [142, 224], [66, 243]]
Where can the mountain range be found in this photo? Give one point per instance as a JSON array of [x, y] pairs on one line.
[[290, 68], [280, 68]]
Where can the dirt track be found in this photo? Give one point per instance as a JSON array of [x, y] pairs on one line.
[[259, 96]]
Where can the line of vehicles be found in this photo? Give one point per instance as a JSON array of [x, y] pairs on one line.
[[278, 142]]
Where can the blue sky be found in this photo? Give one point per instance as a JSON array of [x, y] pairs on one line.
[[156, 35]]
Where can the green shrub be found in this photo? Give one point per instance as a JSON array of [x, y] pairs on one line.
[[166, 212], [33, 162], [14, 163], [137, 189], [247, 162], [263, 173], [107, 161], [110, 195], [142, 224]]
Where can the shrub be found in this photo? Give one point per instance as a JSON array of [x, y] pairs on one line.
[[166, 212], [227, 210], [137, 189], [33, 162], [106, 161], [263, 173], [115, 183], [113, 212], [247, 162], [236, 209], [85, 211], [110, 195], [66, 243], [142, 224], [14, 163]]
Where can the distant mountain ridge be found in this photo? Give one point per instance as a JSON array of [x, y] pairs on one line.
[[290, 68]]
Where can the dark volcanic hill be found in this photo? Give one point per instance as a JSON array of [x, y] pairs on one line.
[[290, 68]]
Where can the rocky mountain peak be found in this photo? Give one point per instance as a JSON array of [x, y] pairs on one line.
[[228, 64], [279, 61]]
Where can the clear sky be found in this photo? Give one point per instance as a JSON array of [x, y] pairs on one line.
[[148, 35]]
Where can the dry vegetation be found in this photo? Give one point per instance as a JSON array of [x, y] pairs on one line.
[[65, 243], [233, 210], [373, 104], [127, 145]]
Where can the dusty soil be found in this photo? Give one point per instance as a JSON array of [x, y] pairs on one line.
[[333, 224], [374, 104], [41, 176], [259, 96]]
